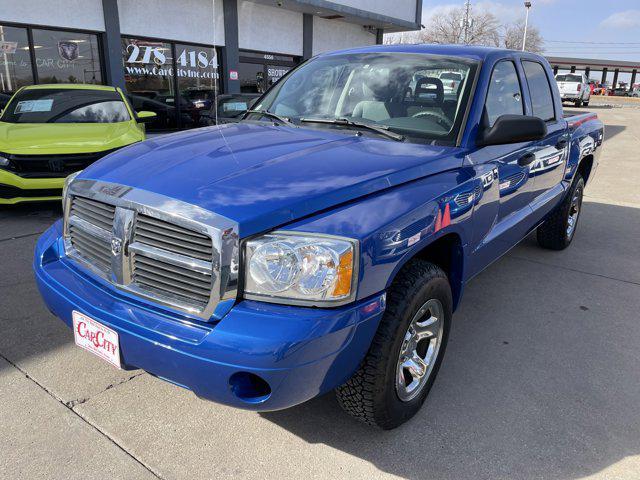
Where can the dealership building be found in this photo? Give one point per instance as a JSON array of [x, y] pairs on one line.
[[166, 53]]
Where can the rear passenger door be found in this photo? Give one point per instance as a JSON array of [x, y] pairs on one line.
[[547, 171]]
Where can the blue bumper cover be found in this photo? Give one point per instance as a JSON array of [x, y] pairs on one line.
[[299, 352]]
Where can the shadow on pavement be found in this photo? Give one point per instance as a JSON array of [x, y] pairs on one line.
[[613, 130], [540, 378]]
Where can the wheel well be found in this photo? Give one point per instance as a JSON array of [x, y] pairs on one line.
[[585, 167], [446, 252]]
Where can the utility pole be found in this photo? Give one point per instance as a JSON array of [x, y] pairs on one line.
[[527, 5], [467, 11]]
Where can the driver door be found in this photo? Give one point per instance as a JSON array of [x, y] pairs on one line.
[[503, 215]]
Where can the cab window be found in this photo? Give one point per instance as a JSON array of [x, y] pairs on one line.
[[539, 90], [504, 96]]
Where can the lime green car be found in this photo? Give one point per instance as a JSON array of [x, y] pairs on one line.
[[48, 132]]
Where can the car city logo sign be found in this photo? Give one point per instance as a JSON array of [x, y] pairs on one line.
[[68, 51], [116, 246]]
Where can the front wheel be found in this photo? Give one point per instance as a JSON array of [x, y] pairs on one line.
[[402, 363], [557, 232], [577, 103]]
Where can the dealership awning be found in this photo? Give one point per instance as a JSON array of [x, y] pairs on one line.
[[588, 64]]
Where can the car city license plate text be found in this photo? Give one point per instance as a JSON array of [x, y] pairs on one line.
[[96, 338]]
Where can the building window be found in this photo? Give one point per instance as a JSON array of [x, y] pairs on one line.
[[15, 60], [66, 57], [257, 71], [149, 69]]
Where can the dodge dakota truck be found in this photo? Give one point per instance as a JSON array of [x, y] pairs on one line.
[[323, 242]]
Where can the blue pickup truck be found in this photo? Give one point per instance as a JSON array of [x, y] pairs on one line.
[[324, 241]]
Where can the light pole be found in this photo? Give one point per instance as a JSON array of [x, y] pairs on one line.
[[527, 5], [467, 8]]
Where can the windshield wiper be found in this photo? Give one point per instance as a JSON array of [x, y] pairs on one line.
[[269, 114], [381, 129]]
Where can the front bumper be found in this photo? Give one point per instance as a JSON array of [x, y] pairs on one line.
[[299, 352], [16, 189]]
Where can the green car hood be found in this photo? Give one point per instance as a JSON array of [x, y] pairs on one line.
[[43, 138]]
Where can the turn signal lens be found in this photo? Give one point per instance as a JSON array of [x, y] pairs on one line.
[[345, 275]]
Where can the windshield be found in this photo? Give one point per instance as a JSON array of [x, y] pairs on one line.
[[569, 78], [58, 105], [401, 92], [234, 105], [199, 94]]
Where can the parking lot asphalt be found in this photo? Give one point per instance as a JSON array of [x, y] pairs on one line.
[[541, 378]]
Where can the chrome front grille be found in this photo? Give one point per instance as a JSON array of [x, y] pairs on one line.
[[172, 238], [97, 213], [185, 258], [90, 225], [167, 279]]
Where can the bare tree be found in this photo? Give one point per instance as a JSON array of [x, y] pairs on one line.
[[483, 29], [512, 37]]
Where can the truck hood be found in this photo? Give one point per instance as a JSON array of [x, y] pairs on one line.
[[264, 176], [54, 138]]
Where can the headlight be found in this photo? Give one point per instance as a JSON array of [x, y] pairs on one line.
[[65, 188], [4, 161], [301, 269]]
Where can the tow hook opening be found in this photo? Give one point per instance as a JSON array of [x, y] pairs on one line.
[[249, 387]]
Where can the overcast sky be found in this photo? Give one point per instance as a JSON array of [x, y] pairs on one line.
[[560, 21]]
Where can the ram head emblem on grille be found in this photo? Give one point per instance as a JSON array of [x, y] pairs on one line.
[[116, 246]]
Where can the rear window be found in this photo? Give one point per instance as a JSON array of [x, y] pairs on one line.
[[57, 105], [451, 76], [539, 90], [569, 78]]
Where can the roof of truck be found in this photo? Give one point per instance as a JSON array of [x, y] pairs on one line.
[[472, 52]]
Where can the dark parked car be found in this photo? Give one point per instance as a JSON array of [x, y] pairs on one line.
[[4, 99], [619, 92], [165, 113], [230, 108]]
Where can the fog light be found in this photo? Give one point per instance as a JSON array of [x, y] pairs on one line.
[[249, 387]]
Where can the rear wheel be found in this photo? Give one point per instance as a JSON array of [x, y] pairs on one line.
[[557, 232], [398, 371], [577, 103]]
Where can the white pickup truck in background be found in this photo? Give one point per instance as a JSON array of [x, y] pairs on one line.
[[574, 87]]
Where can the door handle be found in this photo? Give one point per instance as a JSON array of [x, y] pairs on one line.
[[526, 159], [561, 144]]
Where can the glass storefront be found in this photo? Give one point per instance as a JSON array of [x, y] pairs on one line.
[[257, 71], [15, 60], [150, 68], [176, 81], [66, 57], [52, 56]]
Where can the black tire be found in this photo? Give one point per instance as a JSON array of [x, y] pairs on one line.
[[370, 395], [577, 103], [585, 104], [554, 233]]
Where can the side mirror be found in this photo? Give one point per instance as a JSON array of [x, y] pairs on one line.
[[145, 116], [513, 129]]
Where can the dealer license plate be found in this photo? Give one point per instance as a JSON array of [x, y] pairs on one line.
[[96, 338]]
